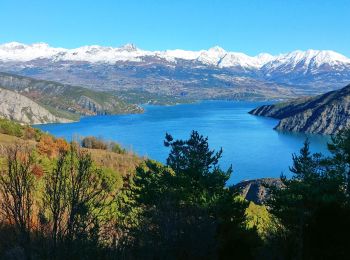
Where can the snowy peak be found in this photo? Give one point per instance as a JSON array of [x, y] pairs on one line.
[[129, 47], [15, 51], [211, 56], [308, 61], [217, 49], [93, 53], [264, 58], [313, 56], [12, 46], [216, 56], [329, 57]]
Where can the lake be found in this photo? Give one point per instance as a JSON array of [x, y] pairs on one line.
[[249, 142]]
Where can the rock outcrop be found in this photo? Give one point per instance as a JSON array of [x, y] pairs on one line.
[[324, 114], [257, 190], [19, 108]]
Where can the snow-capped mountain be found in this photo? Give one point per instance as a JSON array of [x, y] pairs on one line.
[[215, 56], [14, 51], [309, 60], [180, 71]]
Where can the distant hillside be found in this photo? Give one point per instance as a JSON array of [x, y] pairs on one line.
[[323, 114], [66, 101], [19, 108]]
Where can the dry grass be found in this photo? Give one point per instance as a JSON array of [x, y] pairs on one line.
[[8, 139], [122, 163]]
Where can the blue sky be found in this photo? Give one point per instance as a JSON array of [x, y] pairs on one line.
[[250, 26]]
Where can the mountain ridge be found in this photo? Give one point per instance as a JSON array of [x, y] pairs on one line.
[[206, 74], [328, 113], [216, 56], [19, 108], [61, 102]]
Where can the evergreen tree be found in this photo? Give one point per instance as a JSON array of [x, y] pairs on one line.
[[188, 212], [340, 148], [197, 165], [312, 207]]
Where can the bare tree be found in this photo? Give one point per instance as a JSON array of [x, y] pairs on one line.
[[17, 186], [55, 198], [76, 195], [87, 194]]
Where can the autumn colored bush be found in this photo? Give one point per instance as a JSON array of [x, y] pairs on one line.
[[30, 133], [51, 146], [47, 146], [38, 171], [61, 145]]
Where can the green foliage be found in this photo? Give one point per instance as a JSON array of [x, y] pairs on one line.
[[313, 198], [11, 128], [154, 180], [76, 200], [340, 148], [187, 200], [111, 180], [92, 142], [116, 148], [17, 186], [197, 166], [65, 206], [258, 217]]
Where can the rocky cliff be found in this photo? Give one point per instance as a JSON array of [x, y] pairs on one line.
[[257, 190], [324, 114], [19, 108]]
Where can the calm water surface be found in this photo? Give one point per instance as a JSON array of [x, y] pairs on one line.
[[250, 144]]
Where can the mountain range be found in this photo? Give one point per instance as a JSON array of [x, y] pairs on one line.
[[214, 73], [310, 61]]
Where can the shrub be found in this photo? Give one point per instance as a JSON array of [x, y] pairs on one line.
[[51, 146], [30, 133], [92, 142], [10, 128], [116, 148]]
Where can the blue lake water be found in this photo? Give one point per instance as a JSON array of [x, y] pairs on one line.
[[249, 142]]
